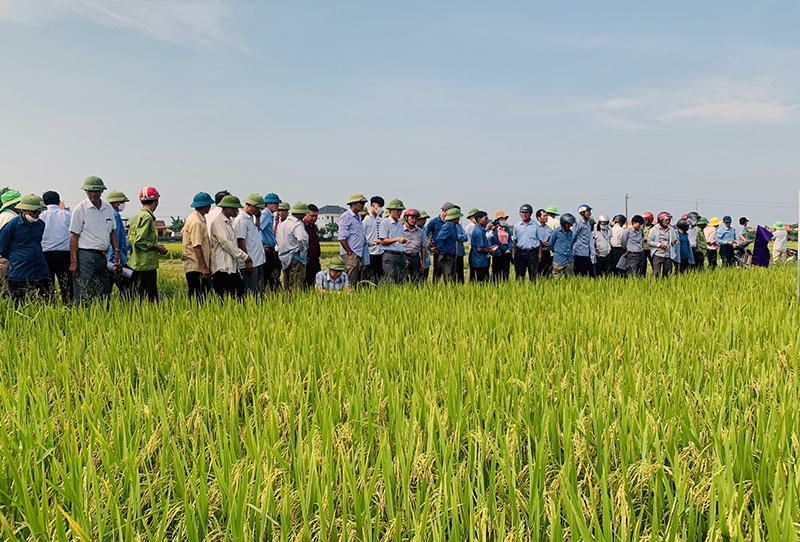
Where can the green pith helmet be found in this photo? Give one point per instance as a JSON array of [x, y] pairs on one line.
[[93, 184], [116, 196], [9, 198], [230, 201], [283, 206], [453, 213], [337, 264], [255, 200], [552, 210], [396, 204], [31, 202], [422, 214], [472, 212], [357, 197], [778, 225], [299, 208], [703, 221]]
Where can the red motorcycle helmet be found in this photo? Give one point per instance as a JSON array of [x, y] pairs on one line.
[[664, 215], [148, 193], [649, 216]]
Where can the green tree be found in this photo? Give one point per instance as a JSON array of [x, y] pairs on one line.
[[177, 224]]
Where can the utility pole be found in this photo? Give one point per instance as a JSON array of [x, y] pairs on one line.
[[626, 206], [695, 206]]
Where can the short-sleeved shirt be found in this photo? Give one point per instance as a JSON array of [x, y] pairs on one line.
[[416, 240], [195, 234], [324, 281], [93, 225], [560, 245], [21, 243], [351, 229], [244, 226], [371, 225], [478, 240], [390, 229], [779, 240], [526, 235], [56, 234]]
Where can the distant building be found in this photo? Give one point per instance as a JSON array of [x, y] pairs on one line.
[[329, 214], [161, 228]]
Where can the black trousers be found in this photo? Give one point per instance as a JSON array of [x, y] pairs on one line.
[[58, 262], [312, 268], [375, 269], [699, 258], [711, 256], [20, 291], [447, 267], [726, 255], [501, 266], [123, 283], [145, 284], [646, 260], [198, 287], [227, 284], [460, 269], [604, 265], [583, 266], [414, 267], [546, 263], [480, 274], [526, 261], [272, 270], [616, 254], [684, 266]]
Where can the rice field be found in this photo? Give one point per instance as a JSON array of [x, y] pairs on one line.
[[571, 410]]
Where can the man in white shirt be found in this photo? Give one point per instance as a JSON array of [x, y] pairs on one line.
[[248, 236], [372, 224], [225, 254], [617, 250], [293, 247], [55, 243], [92, 228], [779, 238], [216, 210]]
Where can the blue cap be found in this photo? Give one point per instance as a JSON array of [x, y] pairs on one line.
[[272, 197], [727, 218], [202, 199]]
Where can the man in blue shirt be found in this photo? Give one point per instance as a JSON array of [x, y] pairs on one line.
[[21, 244], [392, 238], [740, 247], [582, 242], [272, 265], [726, 239], [527, 244], [560, 244], [117, 200], [479, 248], [433, 227], [446, 245], [352, 237], [632, 242], [461, 236]]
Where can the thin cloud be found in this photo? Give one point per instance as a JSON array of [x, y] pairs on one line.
[[720, 101], [179, 21]]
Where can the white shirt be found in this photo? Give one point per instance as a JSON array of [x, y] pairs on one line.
[[56, 231], [371, 227], [616, 235], [93, 225], [245, 227], [211, 217], [553, 222], [468, 231], [7, 216], [292, 240], [779, 240], [225, 255]]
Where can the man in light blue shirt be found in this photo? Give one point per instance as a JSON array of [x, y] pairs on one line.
[[55, 243], [352, 238], [272, 264], [479, 248], [526, 236], [560, 244], [740, 247], [582, 242], [392, 238], [726, 239]]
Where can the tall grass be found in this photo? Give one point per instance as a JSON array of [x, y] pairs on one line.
[[571, 410]]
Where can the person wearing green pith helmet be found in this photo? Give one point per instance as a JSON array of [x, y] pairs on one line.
[[8, 212], [468, 230], [21, 244], [334, 279], [117, 199], [422, 224], [779, 238], [225, 254], [247, 227], [447, 245], [92, 229], [353, 238], [393, 239], [552, 218], [293, 247]]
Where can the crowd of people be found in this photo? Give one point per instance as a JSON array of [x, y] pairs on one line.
[[236, 247]]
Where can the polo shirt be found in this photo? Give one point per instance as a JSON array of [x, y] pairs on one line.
[[244, 227], [526, 236], [390, 229], [93, 225]]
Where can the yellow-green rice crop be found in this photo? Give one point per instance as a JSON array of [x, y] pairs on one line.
[[575, 410]]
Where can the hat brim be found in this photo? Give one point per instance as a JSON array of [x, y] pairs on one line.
[[9, 203], [198, 205]]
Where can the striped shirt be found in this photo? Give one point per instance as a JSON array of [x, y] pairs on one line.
[[225, 255]]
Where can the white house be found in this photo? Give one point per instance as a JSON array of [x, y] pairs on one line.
[[329, 214]]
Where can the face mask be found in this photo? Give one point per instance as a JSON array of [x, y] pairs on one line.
[[31, 219], [121, 207], [603, 226], [379, 211]]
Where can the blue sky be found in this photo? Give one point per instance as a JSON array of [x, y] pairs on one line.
[[488, 105]]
